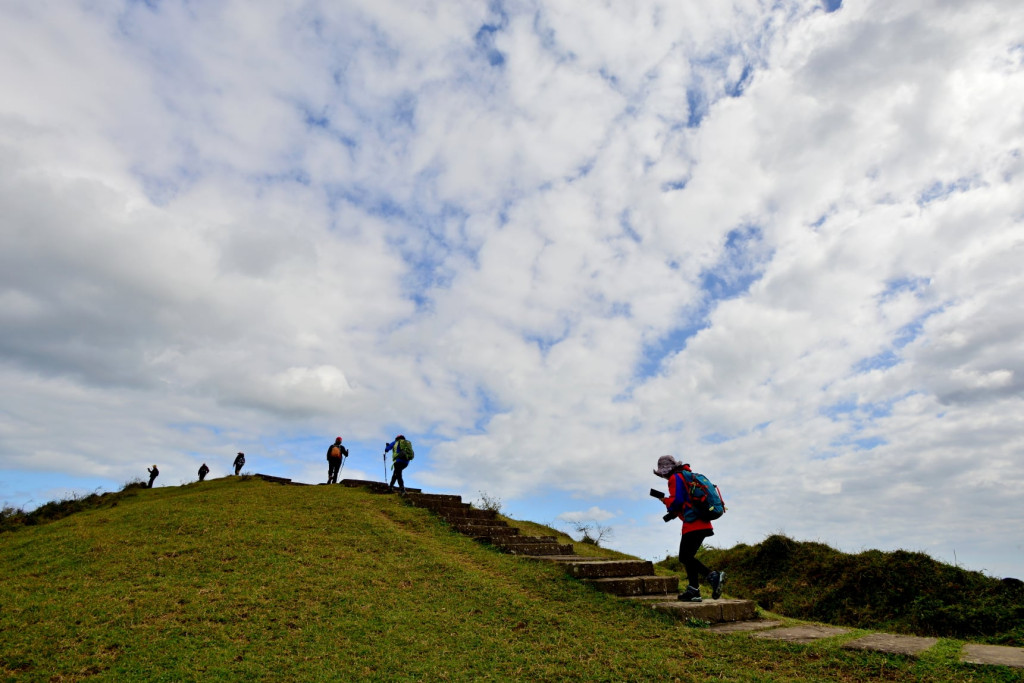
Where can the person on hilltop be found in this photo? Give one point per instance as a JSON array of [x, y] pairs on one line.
[[153, 474], [401, 454], [203, 471], [335, 452], [239, 462], [695, 530]]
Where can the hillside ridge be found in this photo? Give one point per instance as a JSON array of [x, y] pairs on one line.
[[242, 578]]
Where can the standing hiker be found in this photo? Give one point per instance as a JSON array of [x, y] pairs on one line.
[[203, 471], [239, 461], [335, 452], [401, 454], [153, 474], [694, 532]]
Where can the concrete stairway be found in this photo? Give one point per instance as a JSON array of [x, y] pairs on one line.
[[630, 579]]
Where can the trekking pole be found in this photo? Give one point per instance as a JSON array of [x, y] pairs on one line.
[[384, 461], [340, 469]]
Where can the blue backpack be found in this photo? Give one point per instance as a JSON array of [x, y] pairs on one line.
[[705, 499]]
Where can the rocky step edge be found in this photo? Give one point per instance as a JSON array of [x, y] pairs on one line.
[[373, 486]]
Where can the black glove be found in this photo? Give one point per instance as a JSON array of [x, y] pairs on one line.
[[669, 517], [655, 493]]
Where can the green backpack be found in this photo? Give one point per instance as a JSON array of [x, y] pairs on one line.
[[404, 448]]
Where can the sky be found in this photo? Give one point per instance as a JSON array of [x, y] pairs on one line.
[[547, 241]]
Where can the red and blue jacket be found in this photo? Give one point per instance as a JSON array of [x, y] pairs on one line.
[[678, 501]]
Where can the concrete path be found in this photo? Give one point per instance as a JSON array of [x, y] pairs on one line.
[[1000, 655], [744, 626], [806, 633], [892, 644], [889, 643]]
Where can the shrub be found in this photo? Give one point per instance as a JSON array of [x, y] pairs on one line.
[[593, 533], [488, 502], [901, 591]]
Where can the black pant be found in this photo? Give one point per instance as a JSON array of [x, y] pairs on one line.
[[688, 546], [397, 476], [238, 468], [333, 465], [151, 478]]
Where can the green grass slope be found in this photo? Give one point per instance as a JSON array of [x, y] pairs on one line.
[[238, 579], [900, 591]]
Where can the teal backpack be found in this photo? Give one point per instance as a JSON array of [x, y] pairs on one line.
[[705, 499]]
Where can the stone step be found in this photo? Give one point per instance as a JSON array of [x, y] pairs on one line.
[[804, 633], [744, 626], [466, 513], [628, 586], [712, 611], [473, 527], [604, 569], [373, 486], [443, 506], [998, 655], [486, 534], [431, 498], [273, 479], [519, 540], [530, 548], [911, 646]]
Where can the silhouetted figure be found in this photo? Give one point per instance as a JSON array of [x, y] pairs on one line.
[[401, 455], [153, 474], [239, 461], [335, 452], [203, 471]]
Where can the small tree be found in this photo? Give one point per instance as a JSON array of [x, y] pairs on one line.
[[592, 532], [488, 502]]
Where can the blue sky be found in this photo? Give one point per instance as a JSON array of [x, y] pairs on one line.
[[778, 240]]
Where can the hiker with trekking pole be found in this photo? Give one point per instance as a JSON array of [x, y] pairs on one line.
[[336, 454], [697, 501], [401, 453]]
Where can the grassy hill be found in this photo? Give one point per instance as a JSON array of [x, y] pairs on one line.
[[900, 591], [240, 579]]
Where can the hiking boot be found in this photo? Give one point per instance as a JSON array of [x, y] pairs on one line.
[[716, 579], [691, 594]]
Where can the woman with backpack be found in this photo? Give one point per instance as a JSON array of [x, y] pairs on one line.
[[695, 530]]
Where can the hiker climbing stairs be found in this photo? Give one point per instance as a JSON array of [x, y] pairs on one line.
[[626, 578]]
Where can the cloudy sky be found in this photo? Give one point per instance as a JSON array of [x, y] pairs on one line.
[[779, 240]]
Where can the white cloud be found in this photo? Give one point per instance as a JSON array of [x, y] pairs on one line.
[[592, 514], [550, 245]]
